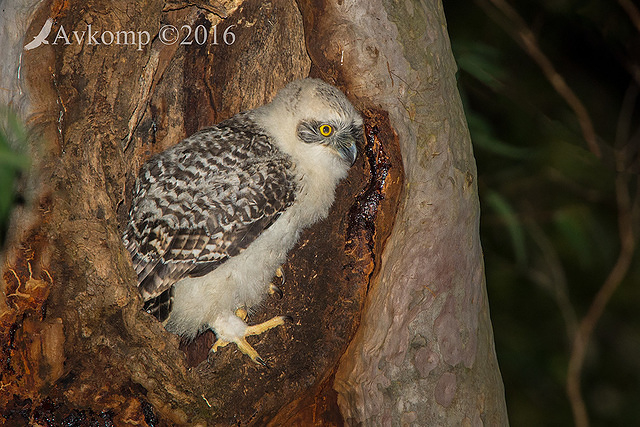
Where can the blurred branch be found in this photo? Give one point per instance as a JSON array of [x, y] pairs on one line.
[[632, 11], [625, 118], [627, 210], [588, 323], [626, 143], [527, 39], [553, 279], [634, 16]]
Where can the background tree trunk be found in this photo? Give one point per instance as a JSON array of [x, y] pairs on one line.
[[395, 336]]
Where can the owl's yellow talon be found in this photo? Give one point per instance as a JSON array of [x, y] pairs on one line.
[[273, 288], [242, 313], [258, 329], [218, 344]]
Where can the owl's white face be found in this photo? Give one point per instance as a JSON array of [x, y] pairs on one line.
[[314, 123]]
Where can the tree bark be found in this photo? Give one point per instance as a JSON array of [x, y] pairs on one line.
[[381, 337]]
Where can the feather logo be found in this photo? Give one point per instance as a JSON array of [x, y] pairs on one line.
[[42, 36]]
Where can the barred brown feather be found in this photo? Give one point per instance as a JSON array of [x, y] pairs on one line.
[[203, 201]]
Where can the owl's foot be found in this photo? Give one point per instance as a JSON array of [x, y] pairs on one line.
[[275, 291], [242, 313], [273, 288], [242, 343]]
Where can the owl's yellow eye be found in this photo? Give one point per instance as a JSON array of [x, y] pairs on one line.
[[325, 130]]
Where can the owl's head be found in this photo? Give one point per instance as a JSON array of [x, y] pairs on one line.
[[317, 114]]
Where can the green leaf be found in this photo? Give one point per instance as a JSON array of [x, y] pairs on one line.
[[481, 61], [509, 218], [572, 224], [13, 140], [484, 138]]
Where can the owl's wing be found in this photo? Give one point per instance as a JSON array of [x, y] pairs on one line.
[[202, 202]]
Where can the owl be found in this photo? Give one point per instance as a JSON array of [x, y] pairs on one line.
[[213, 217]]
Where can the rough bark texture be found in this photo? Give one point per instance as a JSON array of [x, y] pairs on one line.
[[76, 346]]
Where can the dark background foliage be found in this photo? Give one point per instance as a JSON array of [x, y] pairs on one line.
[[550, 216], [13, 161]]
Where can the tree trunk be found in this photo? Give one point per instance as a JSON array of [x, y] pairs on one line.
[[391, 315]]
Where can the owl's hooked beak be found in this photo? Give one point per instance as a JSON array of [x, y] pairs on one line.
[[346, 144], [348, 151]]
